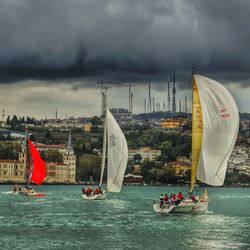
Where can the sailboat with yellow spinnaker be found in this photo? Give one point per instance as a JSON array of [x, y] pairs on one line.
[[215, 124]]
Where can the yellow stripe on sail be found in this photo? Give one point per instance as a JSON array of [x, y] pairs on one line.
[[197, 130]]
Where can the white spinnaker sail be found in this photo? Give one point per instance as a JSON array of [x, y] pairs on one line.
[[117, 155], [220, 117]]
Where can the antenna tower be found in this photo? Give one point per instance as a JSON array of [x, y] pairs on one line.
[[174, 93], [149, 98], [169, 105]]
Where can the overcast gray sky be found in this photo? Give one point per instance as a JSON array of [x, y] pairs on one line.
[[53, 53]]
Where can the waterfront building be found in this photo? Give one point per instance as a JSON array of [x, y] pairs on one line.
[[239, 160], [173, 123], [180, 168], [12, 171], [57, 172], [63, 172], [145, 152], [131, 179], [121, 115], [183, 159], [87, 127]]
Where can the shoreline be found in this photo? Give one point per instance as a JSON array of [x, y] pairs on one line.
[[143, 185]]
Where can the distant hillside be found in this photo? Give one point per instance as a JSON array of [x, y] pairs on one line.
[[168, 114], [244, 116]]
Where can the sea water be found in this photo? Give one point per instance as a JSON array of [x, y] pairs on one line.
[[63, 220]]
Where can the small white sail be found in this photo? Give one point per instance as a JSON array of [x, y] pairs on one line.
[[220, 117], [117, 154]]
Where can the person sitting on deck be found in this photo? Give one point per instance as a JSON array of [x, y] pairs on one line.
[[193, 198], [161, 201], [15, 188], [89, 191], [98, 191], [179, 198], [165, 198], [173, 199]]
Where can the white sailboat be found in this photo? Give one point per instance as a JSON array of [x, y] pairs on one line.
[[115, 143], [215, 124]]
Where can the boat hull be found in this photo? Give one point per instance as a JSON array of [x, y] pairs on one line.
[[183, 208], [24, 193], [95, 197]]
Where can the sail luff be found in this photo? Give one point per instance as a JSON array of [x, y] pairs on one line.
[[197, 130], [104, 146]]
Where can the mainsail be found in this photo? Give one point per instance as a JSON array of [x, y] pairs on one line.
[[39, 169], [219, 126], [117, 154]]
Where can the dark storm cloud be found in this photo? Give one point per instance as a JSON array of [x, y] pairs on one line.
[[123, 40]]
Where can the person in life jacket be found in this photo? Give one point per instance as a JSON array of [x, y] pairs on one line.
[[161, 200], [179, 198], [97, 191], [174, 199], [165, 198], [193, 198], [89, 191]]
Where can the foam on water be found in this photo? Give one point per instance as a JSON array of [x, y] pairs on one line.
[[63, 220]]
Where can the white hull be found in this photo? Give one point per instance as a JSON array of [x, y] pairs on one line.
[[29, 193], [95, 197], [184, 207]]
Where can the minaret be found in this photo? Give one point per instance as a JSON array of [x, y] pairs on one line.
[[153, 104], [180, 106], [56, 114], [70, 147], [145, 105], [174, 93]]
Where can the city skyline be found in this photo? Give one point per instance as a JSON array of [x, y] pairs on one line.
[[55, 61]]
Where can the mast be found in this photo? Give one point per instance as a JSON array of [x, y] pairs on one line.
[[197, 130], [28, 169], [104, 146]]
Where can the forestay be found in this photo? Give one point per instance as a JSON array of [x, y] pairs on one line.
[[117, 154], [220, 117]]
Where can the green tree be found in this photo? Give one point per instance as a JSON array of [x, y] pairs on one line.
[[137, 158], [95, 121], [54, 156], [9, 150], [51, 155], [48, 138], [89, 165], [14, 122], [79, 146]]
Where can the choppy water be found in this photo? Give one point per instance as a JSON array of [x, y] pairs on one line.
[[62, 220]]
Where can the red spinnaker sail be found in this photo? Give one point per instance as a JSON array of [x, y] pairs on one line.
[[39, 168]]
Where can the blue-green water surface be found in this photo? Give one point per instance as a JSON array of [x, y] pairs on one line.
[[63, 220]]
